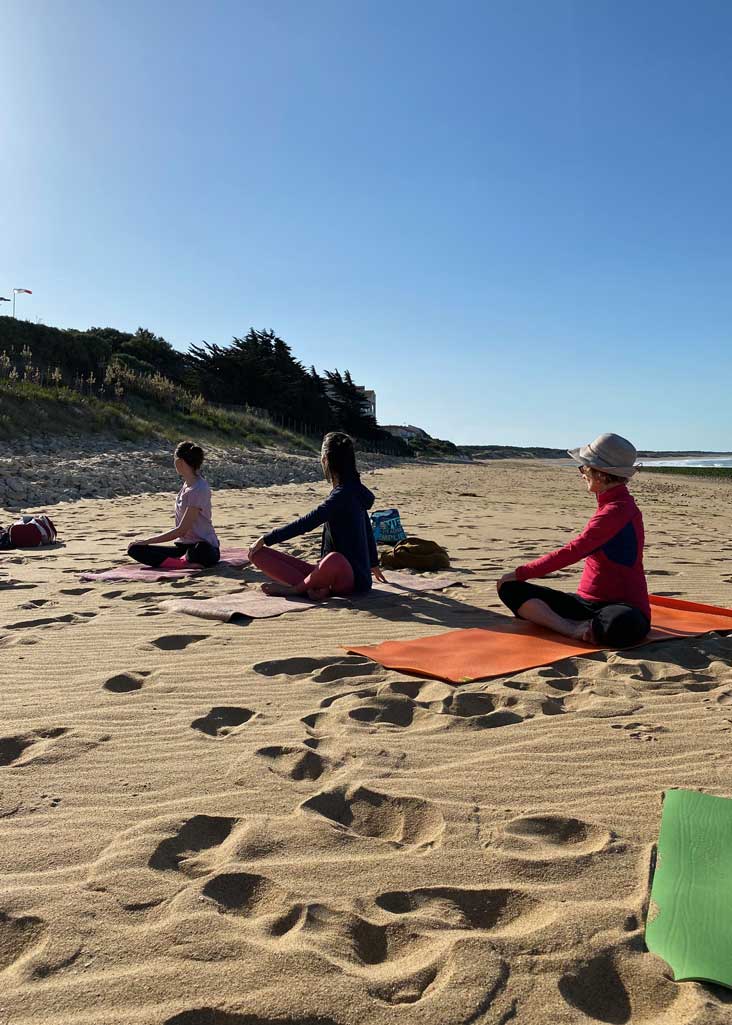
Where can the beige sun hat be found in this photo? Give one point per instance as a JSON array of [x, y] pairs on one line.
[[609, 453]]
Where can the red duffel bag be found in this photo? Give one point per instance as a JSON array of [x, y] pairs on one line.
[[32, 531]]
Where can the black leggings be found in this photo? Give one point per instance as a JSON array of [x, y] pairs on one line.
[[614, 624], [200, 553]]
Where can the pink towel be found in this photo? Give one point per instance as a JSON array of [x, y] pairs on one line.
[[236, 557]]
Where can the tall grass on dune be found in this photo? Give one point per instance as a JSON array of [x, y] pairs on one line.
[[126, 404]]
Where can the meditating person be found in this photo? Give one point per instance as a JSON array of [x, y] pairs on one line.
[[348, 556], [611, 607], [196, 543]]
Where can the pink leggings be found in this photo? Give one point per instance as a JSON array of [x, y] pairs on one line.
[[332, 575]]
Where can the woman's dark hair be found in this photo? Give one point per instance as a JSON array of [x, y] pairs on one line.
[[190, 453], [339, 455]]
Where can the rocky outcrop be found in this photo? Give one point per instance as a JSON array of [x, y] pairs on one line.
[[40, 473]]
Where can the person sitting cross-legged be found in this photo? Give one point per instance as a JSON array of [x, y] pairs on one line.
[[348, 556], [611, 606], [195, 540]]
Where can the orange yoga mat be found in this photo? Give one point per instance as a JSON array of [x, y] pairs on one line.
[[507, 645]]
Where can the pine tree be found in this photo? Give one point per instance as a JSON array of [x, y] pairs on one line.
[[350, 407]]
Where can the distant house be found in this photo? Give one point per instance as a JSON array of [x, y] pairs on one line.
[[370, 397], [406, 431], [368, 394]]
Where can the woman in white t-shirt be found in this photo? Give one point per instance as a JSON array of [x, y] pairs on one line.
[[194, 536]]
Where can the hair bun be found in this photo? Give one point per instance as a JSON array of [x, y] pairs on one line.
[[339, 455], [190, 453]]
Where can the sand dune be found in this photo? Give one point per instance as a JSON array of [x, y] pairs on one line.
[[239, 824]]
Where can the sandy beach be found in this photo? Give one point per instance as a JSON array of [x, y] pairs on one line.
[[239, 824]]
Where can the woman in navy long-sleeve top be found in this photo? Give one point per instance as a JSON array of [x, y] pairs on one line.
[[348, 556]]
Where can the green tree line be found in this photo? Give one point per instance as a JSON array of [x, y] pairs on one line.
[[258, 370]]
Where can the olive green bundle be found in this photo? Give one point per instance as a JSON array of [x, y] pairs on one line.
[[416, 553]]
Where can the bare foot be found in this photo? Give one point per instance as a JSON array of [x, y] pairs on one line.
[[278, 590], [583, 631]]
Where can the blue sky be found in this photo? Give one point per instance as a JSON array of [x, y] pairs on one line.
[[512, 219]]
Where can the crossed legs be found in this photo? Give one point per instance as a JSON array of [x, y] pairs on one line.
[[609, 624], [178, 556], [332, 575]]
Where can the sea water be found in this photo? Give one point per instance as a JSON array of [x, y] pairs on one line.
[[718, 460]]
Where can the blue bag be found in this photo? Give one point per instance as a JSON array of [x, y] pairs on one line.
[[387, 526]]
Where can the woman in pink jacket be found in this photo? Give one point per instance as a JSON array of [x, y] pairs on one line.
[[611, 606]]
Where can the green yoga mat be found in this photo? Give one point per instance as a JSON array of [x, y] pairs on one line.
[[690, 926]]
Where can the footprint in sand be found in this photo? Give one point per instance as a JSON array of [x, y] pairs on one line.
[[540, 841], [424, 692], [549, 676], [176, 642], [398, 820], [621, 986], [321, 670], [398, 962], [356, 944], [670, 658], [123, 683], [48, 747], [333, 699], [409, 703], [669, 678], [18, 640], [222, 720], [146, 865], [500, 911], [56, 953], [466, 703], [13, 748], [486, 721], [640, 730], [315, 722], [590, 705], [702, 683], [295, 762], [182, 851], [481, 711], [348, 668], [256, 898], [366, 707], [68, 617], [385, 712], [19, 934], [8, 583]]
